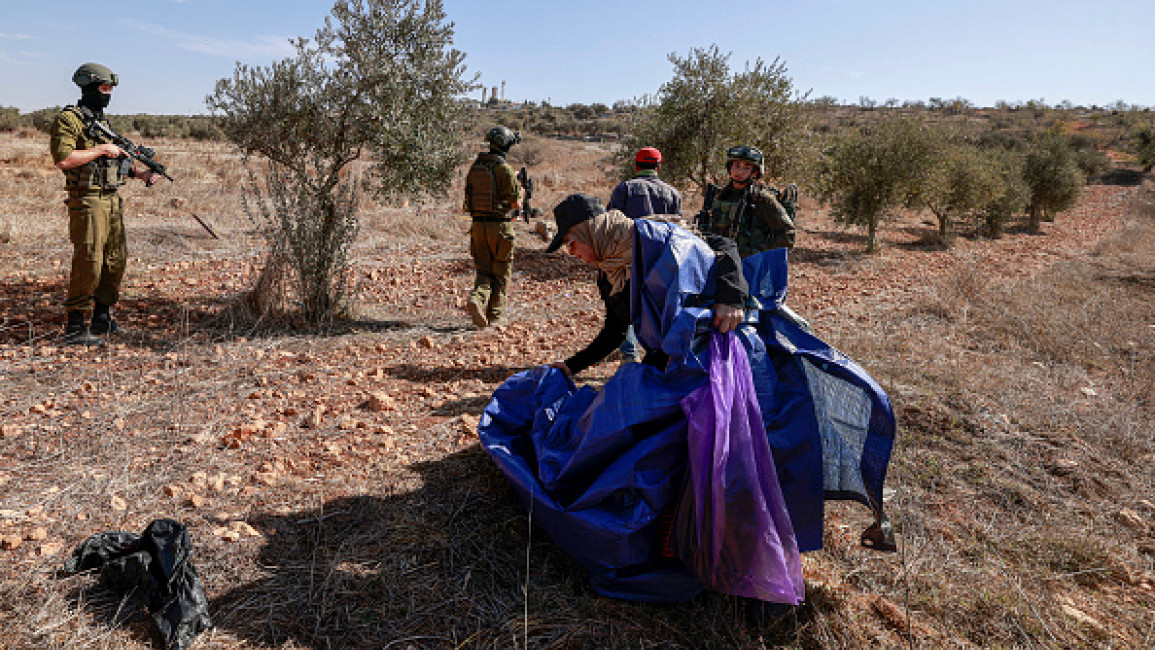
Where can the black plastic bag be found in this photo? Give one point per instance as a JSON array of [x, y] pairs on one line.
[[156, 567]]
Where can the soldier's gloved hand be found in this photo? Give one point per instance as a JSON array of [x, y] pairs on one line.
[[727, 317]]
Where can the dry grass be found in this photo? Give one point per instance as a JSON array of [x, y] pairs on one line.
[[1025, 433], [1023, 485]]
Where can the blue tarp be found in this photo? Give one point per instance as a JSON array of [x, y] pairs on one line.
[[598, 468]]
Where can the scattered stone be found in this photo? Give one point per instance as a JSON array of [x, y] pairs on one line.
[[49, 548], [426, 342], [379, 402], [10, 542], [245, 529], [1082, 617], [265, 478], [37, 534], [195, 500], [9, 431], [1064, 467], [1132, 520], [227, 534], [171, 490]]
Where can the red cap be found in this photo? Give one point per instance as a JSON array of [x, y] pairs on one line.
[[648, 155]]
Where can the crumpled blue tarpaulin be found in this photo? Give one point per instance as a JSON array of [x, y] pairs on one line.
[[596, 469]]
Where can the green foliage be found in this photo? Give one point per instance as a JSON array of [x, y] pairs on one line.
[[42, 119], [1053, 178], [1143, 144], [707, 108], [10, 118], [963, 180], [380, 78], [1011, 194], [875, 169], [1088, 157]]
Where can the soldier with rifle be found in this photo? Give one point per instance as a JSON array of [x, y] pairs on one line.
[[491, 198], [746, 210], [94, 167]]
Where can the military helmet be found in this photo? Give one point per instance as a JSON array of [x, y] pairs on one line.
[[502, 138], [94, 73], [750, 154]]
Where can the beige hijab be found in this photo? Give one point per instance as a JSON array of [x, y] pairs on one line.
[[611, 236]]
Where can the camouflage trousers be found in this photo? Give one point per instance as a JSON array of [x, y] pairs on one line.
[[99, 249], [491, 245]]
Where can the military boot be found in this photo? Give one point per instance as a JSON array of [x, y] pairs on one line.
[[477, 314], [76, 331], [102, 322]]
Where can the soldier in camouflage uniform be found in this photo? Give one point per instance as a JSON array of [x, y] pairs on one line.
[[491, 198], [93, 172], [746, 210]]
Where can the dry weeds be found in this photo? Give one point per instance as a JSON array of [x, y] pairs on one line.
[[1021, 370]]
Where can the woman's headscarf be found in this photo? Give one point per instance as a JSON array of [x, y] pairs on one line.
[[611, 236]]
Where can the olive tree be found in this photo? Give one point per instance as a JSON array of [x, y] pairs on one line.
[[379, 82], [963, 181], [707, 108], [1143, 144], [870, 172], [1054, 179]]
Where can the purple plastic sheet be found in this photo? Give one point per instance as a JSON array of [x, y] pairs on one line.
[[732, 528]]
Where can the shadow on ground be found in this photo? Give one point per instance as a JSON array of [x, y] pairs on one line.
[[32, 313], [446, 566], [441, 566]]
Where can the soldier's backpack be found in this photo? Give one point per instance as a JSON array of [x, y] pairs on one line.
[[481, 187]]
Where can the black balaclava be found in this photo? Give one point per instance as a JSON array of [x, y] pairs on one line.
[[91, 97]]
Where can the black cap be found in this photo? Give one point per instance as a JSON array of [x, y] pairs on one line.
[[573, 210]]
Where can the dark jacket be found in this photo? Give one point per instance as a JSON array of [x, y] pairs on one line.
[[645, 195], [731, 290]]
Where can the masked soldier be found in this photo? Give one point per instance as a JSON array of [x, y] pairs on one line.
[[93, 172], [491, 198], [746, 210]]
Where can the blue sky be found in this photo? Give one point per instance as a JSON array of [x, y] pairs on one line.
[[169, 53]]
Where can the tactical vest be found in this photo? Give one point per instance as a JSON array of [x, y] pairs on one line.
[[104, 173], [481, 188], [724, 217]]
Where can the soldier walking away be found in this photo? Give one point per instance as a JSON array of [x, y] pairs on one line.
[[491, 198], [746, 210], [93, 173], [641, 196]]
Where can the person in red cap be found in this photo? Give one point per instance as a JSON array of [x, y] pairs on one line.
[[641, 196], [645, 194]]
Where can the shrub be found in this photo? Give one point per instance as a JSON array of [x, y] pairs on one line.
[[1053, 179]]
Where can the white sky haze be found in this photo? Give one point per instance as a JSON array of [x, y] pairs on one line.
[[170, 53]]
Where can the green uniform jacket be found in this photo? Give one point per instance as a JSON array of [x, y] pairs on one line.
[[762, 225]]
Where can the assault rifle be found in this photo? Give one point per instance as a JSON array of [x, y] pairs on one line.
[[703, 220], [145, 155], [132, 151], [526, 183]]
